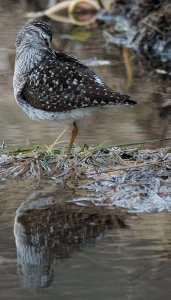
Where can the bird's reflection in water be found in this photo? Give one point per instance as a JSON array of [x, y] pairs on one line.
[[46, 232]]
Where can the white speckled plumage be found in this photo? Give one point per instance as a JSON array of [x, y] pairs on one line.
[[52, 85]]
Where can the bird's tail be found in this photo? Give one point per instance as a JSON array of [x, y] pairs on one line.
[[125, 99], [117, 99]]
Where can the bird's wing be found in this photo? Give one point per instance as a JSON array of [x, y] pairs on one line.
[[63, 57], [62, 83]]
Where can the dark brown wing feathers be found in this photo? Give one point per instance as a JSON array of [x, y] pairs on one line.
[[62, 83]]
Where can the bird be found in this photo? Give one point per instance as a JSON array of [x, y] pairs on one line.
[[49, 84]]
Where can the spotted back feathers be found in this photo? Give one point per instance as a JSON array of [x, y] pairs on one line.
[[57, 82]]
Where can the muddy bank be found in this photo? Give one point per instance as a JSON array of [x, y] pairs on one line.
[[131, 178], [144, 26]]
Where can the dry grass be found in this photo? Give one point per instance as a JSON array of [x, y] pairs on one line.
[[133, 178]]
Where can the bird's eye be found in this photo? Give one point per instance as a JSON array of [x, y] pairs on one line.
[[45, 39], [43, 36]]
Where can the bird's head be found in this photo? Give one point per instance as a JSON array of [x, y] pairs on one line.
[[36, 35]]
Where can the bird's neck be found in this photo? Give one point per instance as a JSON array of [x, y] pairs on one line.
[[27, 59]]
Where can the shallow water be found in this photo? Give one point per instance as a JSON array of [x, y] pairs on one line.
[[127, 263], [131, 263]]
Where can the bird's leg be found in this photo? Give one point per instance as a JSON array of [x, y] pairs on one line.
[[73, 136]]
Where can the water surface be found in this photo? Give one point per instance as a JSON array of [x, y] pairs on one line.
[[36, 263]]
